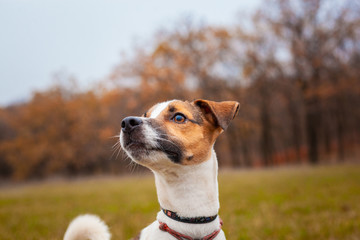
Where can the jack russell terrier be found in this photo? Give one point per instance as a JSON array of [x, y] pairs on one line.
[[175, 140]]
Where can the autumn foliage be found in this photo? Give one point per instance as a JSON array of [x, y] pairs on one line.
[[294, 66]]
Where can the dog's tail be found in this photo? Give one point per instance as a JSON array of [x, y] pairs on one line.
[[87, 227]]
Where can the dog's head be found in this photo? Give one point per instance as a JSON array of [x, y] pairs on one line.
[[176, 132]]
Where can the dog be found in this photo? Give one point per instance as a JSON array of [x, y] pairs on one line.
[[175, 140]]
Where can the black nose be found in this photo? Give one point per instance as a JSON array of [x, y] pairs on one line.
[[129, 123]]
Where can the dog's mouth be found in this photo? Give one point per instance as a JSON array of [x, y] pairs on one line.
[[136, 146], [171, 149], [133, 145]]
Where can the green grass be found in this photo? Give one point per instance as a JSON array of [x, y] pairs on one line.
[[287, 203]]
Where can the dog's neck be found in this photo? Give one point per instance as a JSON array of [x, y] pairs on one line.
[[190, 191]]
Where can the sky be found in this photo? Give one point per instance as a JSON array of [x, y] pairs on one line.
[[85, 38]]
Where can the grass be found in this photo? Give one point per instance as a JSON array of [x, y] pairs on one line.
[[286, 203]]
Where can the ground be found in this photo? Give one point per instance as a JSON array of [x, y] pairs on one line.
[[286, 203]]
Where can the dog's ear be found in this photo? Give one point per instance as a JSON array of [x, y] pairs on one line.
[[219, 114]]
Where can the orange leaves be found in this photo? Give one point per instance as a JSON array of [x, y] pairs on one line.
[[297, 80]]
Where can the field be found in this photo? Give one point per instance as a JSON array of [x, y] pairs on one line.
[[287, 203]]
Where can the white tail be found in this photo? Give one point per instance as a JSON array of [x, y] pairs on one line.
[[87, 227]]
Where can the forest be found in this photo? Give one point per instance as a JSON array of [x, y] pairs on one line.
[[294, 66]]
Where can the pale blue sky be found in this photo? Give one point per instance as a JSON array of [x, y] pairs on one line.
[[39, 38]]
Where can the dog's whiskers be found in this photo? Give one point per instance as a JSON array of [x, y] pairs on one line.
[[117, 149], [115, 136], [116, 145]]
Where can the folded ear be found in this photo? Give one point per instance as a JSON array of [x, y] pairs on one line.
[[218, 113]]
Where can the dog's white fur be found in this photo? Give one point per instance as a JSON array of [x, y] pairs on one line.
[[159, 108], [188, 190], [185, 196]]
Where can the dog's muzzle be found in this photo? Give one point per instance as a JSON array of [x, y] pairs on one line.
[[139, 139], [132, 137]]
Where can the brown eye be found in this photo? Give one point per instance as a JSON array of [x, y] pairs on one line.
[[179, 118]]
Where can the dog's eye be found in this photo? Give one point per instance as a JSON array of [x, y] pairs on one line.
[[179, 118]]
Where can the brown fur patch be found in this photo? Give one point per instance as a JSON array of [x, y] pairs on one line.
[[205, 120], [219, 113], [196, 135]]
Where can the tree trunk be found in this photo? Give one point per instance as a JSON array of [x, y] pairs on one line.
[[266, 149], [340, 130], [295, 127], [311, 124], [234, 147]]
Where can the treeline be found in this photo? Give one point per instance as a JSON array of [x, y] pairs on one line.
[[293, 65]]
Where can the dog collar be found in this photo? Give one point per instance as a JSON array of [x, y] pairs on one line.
[[196, 220]]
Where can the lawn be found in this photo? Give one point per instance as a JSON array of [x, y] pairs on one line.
[[287, 203]]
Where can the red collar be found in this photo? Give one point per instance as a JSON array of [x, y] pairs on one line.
[[164, 227]]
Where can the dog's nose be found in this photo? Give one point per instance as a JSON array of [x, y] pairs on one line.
[[129, 123]]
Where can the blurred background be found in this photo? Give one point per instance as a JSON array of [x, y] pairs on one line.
[[70, 71]]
